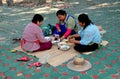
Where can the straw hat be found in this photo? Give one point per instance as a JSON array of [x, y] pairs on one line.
[[79, 67]]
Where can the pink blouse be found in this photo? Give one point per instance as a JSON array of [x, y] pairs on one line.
[[31, 34]]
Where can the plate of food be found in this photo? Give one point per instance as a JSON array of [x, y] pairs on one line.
[[63, 46], [55, 41]]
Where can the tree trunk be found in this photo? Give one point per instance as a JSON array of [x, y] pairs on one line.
[[0, 2], [54, 0], [66, 1], [9, 2], [42, 1]]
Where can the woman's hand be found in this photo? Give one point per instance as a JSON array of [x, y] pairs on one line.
[[59, 30], [50, 39], [72, 40], [62, 38], [74, 36], [69, 37]]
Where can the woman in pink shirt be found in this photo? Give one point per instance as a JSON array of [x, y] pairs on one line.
[[33, 39]]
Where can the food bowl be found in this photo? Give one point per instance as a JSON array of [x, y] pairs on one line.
[[63, 46], [55, 41]]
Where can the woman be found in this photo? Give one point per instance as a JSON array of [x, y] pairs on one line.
[[66, 25], [88, 37], [33, 39]]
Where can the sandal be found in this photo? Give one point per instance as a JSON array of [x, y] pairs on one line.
[[37, 64], [15, 40], [24, 58]]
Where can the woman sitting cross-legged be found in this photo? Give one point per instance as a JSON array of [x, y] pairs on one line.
[[88, 37], [33, 39], [66, 25]]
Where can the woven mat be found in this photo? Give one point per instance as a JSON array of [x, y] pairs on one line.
[[57, 57]]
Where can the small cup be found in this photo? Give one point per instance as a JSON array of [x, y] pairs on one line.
[[56, 37], [66, 41]]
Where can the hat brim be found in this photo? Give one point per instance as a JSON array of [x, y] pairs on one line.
[[86, 66]]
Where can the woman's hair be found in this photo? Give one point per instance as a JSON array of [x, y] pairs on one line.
[[61, 12], [84, 19], [37, 17]]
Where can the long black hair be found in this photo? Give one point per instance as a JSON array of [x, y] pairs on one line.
[[37, 17], [84, 19]]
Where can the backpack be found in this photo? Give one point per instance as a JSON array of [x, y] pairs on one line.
[[46, 30]]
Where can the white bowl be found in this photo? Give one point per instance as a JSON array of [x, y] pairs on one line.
[[55, 41], [63, 46]]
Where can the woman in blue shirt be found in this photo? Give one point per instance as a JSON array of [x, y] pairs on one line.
[[88, 37]]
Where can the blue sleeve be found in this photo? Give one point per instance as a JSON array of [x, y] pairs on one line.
[[80, 30], [86, 38]]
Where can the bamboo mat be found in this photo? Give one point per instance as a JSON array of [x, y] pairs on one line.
[[57, 57]]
